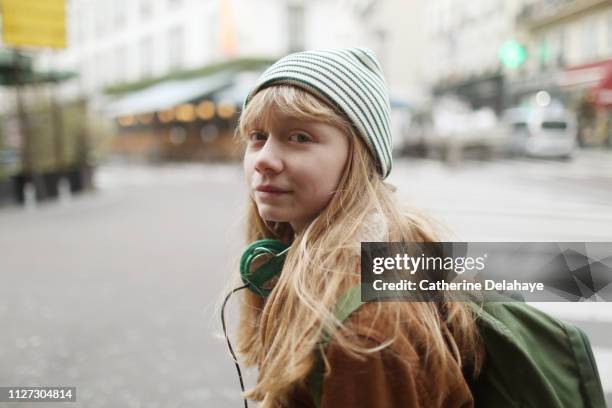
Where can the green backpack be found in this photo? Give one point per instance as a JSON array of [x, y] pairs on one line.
[[533, 360]]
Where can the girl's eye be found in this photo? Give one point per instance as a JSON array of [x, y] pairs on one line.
[[257, 136], [300, 138]]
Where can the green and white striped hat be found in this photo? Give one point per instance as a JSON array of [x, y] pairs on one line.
[[350, 79]]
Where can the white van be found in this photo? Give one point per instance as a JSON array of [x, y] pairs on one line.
[[541, 132]]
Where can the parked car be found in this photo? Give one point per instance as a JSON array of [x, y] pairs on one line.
[[450, 129], [541, 132]]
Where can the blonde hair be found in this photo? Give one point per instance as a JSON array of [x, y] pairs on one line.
[[279, 334]]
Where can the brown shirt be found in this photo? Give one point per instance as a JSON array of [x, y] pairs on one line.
[[383, 379]]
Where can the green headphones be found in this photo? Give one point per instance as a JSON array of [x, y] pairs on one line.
[[260, 262]]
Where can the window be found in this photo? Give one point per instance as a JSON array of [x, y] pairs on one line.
[[589, 39], [146, 9], [175, 47], [83, 74], [555, 125], [146, 57], [100, 20], [211, 33], [120, 64], [610, 31], [107, 68], [543, 52], [174, 4], [519, 126], [98, 65], [560, 55], [120, 16], [296, 27]]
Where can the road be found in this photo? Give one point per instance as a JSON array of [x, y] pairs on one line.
[[116, 292]]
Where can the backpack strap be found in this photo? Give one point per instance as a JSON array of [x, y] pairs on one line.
[[586, 365], [346, 304]]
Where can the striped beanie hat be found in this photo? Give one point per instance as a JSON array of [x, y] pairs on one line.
[[350, 79]]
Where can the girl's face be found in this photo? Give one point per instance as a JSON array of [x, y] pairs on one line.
[[293, 167]]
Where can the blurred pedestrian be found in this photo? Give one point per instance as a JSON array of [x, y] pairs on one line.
[[586, 118], [318, 148]]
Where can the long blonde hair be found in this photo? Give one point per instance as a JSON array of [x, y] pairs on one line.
[[279, 334]]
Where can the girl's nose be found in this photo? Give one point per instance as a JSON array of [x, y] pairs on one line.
[[269, 158]]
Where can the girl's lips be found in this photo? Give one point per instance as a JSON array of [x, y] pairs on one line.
[[270, 189], [270, 194]]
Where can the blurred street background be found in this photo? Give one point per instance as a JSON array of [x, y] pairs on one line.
[[121, 191]]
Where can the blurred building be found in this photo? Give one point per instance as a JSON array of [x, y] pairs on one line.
[[500, 53], [173, 73], [117, 41], [570, 44], [129, 52], [464, 44], [394, 29]]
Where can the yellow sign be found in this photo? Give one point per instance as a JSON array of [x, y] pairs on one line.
[[34, 23]]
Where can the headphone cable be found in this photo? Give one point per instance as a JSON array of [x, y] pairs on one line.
[[229, 344]]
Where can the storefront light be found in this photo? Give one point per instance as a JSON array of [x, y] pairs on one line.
[[127, 120], [226, 110], [166, 116], [185, 112], [205, 110], [145, 118]]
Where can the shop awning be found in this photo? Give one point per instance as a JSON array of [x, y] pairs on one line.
[[595, 78], [13, 65], [168, 94], [239, 90], [11, 60], [16, 68]]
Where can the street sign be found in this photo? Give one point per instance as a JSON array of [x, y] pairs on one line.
[[34, 23]]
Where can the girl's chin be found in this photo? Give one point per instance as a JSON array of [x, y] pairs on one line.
[[273, 215]]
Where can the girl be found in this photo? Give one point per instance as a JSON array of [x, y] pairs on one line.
[[318, 147]]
